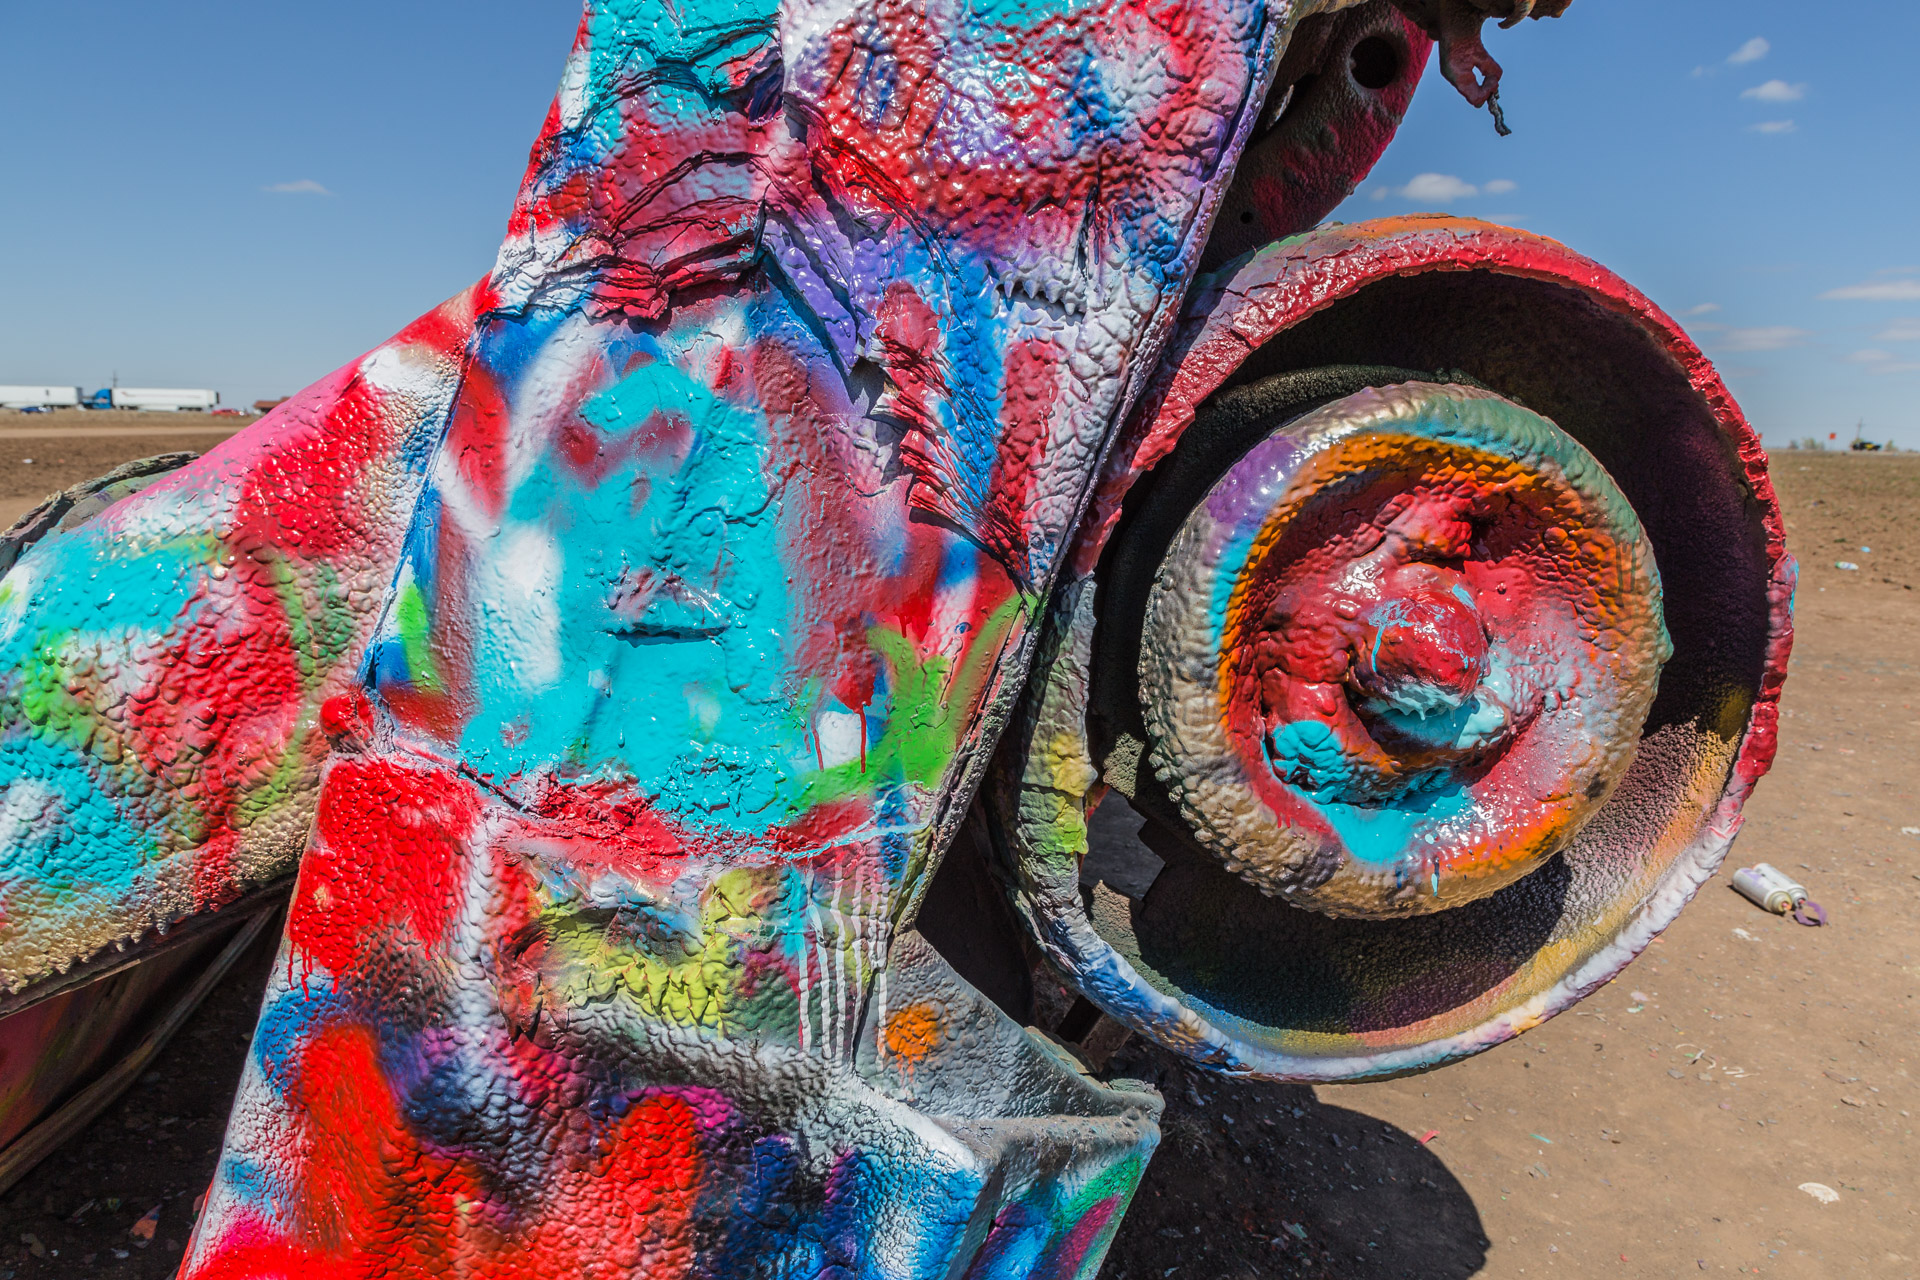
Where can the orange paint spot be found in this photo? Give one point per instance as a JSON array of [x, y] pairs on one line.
[[912, 1032]]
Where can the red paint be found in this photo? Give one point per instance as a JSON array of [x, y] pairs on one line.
[[310, 465], [347, 720], [216, 718], [1232, 314], [375, 1202], [389, 846], [1071, 1250], [477, 439], [1030, 389]]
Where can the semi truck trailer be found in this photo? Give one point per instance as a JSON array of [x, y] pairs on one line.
[[163, 399], [25, 397]]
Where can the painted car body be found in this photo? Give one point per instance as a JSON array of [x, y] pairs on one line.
[[618, 649]]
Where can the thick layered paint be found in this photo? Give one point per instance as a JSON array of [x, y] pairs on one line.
[[1390, 996], [623, 642], [807, 331], [1429, 628], [162, 666]]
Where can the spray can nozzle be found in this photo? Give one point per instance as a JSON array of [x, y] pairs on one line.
[[1771, 889]]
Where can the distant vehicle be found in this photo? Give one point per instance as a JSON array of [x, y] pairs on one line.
[[229, 413], [164, 399], [27, 397]]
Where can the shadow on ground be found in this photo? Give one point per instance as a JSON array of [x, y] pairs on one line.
[[73, 1215], [1264, 1180], [1251, 1180]]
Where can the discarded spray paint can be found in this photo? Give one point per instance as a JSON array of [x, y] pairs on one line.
[[1771, 889]]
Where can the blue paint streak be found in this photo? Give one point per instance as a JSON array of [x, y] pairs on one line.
[[1381, 835]]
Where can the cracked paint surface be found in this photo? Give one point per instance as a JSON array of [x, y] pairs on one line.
[[615, 650], [1348, 991]]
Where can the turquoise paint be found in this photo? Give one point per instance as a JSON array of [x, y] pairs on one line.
[[689, 696], [119, 604], [1308, 755], [703, 41], [1476, 723], [81, 837], [1025, 15], [1388, 613], [1381, 835]]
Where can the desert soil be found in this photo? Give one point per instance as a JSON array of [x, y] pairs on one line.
[[1662, 1128], [43, 453]]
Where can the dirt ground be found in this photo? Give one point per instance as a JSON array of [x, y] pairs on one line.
[[1664, 1126], [43, 453], [1661, 1129], [73, 1216]]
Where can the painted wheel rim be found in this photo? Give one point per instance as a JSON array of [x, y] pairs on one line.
[[1401, 652]]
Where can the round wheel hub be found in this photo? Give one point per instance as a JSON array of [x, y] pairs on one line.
[[1401, 651]]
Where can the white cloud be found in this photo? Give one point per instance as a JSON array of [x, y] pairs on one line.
[[1704, 309], [1772, 126], [1905, 329], [1882, 362], [1752, 51], [1445, 188], [1877, 291], [304, 187], [1439, 188], [1769, 338], [1775, 91]]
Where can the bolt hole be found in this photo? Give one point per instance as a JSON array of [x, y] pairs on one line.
[[1375, 63], [1246, 217]]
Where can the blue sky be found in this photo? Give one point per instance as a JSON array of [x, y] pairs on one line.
[[246, 196], [1754, 167]]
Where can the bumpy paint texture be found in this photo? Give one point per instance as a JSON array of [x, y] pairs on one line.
[[616, 650], [1293, 683], [1428, 627]]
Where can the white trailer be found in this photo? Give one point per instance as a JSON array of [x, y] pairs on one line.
[[39, 397], [164, 399]]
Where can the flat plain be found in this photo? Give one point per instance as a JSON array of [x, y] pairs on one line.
[[43, 453], [1662, 1128]]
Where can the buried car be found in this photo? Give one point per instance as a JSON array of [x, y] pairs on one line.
[[914, 501]]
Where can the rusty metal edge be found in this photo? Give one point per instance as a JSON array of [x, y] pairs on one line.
[[115, 959], [44, 1138]]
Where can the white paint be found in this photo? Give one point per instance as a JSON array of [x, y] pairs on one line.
[[573, 89], [416, 373], [516, 597], [169, 511], [29, 810], [841, 735], [525, 262], [15, 594], [564, 373]]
